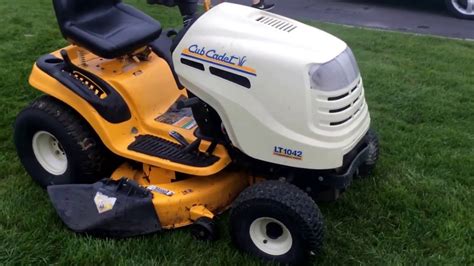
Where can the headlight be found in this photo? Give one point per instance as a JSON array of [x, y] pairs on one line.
[[335, 74]]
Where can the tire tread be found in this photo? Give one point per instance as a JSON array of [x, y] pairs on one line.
[[95, 159], [295, 201]]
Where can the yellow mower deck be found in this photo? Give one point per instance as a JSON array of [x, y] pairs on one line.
[[180, 202], [149, 90]]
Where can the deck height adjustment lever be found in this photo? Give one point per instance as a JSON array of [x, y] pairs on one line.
[[69, 66], [187, 147], [179, 138], [194, 146]]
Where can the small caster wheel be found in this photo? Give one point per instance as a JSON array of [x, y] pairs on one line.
[[204, 229]]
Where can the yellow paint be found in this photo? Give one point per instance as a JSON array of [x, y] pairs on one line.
[[207, 5], [149, 89], [156, 175], [194, 196], [199, 211]]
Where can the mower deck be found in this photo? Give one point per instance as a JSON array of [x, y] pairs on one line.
[[179, 201], [138, 201]]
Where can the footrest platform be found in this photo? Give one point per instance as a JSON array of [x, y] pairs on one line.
[[164, 149]]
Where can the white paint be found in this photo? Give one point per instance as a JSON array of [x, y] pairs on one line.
[[49, 153], [274, 247], [280, 109]]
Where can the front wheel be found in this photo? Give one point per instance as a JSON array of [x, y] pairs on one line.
[[277, 222], [56, 146], [461, 8]]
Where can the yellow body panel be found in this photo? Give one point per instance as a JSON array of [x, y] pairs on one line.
[[207, 5], [199, 211], [193, 196], [148, 88], [158, 175]]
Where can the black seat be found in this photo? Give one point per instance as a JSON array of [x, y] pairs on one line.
[[107, 28]]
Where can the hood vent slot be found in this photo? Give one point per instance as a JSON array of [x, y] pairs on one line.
[[277, 23]]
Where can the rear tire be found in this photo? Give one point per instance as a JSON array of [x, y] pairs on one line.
[[56, 146], [277, 222], [460, 8]]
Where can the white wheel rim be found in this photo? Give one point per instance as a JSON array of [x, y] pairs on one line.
[[273, 243], [49, 153], [465, 7]]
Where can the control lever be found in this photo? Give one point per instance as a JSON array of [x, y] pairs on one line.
[[193, 146], [212, 147], [67, 61], [190, 102], [188, 147], [178, 137]]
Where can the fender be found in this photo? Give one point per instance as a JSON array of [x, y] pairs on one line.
[[112, 108]]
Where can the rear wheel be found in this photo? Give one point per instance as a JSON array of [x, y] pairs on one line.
[[56, 146], [277, 222], [461, 8]]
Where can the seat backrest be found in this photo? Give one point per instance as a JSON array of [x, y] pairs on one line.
[[70, 10]]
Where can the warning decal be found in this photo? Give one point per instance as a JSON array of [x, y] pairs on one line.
[[182, 118], [104, 203]]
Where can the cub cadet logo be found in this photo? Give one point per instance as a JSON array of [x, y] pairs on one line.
[[288, 153], [217, 58], [213, 54]]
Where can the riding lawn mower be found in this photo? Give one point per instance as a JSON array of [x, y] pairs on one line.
[[143, 129]]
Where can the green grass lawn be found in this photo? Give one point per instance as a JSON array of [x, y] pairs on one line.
[[416, 209]]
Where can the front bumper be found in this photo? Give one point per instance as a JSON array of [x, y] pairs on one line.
[[343, 180]]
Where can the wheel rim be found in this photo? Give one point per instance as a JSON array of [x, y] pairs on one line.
[[271, 236], [49, 153], [465, 7]]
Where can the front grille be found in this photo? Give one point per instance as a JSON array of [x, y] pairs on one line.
[[338, 109]]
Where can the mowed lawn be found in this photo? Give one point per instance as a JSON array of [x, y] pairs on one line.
[[417, 208]]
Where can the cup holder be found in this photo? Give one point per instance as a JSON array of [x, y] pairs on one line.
[[53, 61], [171, 33]]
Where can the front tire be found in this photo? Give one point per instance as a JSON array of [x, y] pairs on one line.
[[56, 146], [461, 8], [277, 222]]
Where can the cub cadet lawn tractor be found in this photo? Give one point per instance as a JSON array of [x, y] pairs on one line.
[[242, 110]]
